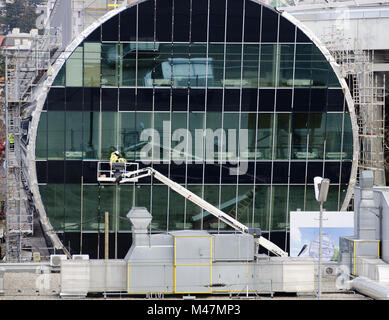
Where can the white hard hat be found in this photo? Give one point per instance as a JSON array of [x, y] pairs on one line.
[[117, 152]]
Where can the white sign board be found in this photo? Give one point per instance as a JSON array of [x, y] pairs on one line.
[[304, 233]]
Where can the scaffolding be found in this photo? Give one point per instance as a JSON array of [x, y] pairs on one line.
[[26, 65], [369, 99]]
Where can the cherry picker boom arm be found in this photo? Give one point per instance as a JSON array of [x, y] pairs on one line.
[[134, 176]]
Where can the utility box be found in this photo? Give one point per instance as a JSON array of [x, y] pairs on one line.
[[350, 249], [286, 274], [192, 262]]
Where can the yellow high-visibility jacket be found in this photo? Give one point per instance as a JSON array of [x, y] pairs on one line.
[[114, 158], [11, 138]]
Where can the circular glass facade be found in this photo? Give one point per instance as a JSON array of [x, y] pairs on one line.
[[192, 88]]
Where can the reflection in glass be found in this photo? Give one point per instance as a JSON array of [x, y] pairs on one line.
[[92, 58], [109, 64]]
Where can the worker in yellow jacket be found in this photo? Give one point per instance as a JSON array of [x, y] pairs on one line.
[[117, 164], [11, 140]]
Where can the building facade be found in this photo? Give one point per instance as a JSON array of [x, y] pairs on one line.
[[194, 89]]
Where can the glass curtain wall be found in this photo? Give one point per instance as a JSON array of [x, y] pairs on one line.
[[197, 84]]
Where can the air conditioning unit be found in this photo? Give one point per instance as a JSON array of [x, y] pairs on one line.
[[55, 259], [80, 257], [329, 271]]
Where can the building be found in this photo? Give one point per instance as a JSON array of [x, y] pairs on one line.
[[180, 67]]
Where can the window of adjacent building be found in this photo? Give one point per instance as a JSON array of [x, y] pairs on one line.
[[74, 68], [92, 64]]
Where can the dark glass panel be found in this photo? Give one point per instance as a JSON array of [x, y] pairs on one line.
[[56, 99], [146, 21], [299, 136], [214, 99], [56, 171], [162, 168], [41, 171], [217, 20], [247, 176], [195, 173], [331, 171], [228, 173], [252, 21], [212, 173], [110, 29], [249, 100], [266, 100], [263, 172], [94, 36], [91, 99], [109, 99], [234, 20], [128, 24], [91, 134], [162, 100], [181, 20], [346, 170], [199, 21], [179, 99], [284, 100], [144, 99], [74, 99], [318, 100], [231, 99], [301, 100], [315, 169], [336, 100], [287, 30], [297, 172], [269, 25], [73, 171], [89, 171], [282, 131], [178, 173], [301, 37], [197, 100], [126, 99], [164, 20], [280, 172]]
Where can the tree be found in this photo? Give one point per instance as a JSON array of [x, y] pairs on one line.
[[20, 14]]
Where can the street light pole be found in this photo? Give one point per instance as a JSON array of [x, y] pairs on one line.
[[321, 192], [320, 250]]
